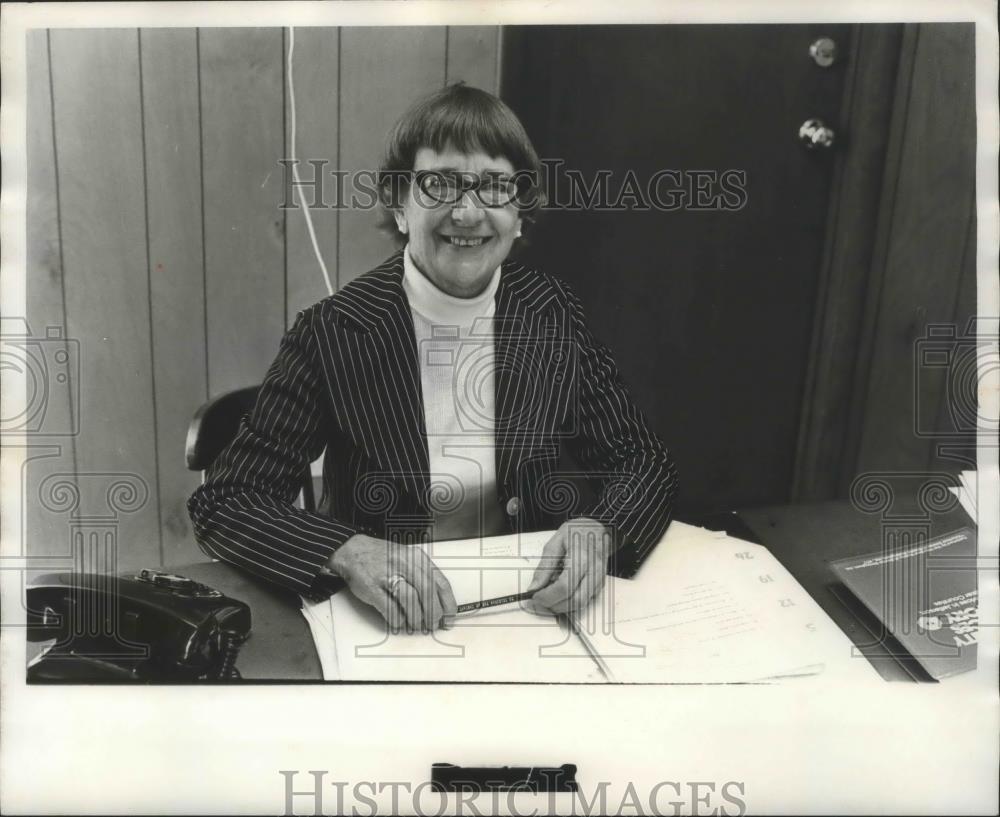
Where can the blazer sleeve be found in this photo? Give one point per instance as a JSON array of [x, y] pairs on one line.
[[638, 478], [244, 513]]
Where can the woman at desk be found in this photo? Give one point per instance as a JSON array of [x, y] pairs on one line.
[[442, 385]]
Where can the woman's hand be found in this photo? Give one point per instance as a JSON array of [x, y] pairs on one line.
[[399, 581], [574, 563]]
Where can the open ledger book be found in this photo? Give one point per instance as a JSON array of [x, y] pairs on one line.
[[704, 608]]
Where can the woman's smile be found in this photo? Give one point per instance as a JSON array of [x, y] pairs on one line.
[[448, 241], [466, 242]]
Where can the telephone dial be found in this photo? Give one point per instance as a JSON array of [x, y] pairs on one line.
[[151, 626]]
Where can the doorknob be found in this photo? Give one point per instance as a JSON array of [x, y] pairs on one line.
[[815, 134], [823, 52]]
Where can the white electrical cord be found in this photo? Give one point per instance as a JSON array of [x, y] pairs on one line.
[[295, 170]]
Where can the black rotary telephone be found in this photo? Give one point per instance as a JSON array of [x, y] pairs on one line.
[[150, 626]]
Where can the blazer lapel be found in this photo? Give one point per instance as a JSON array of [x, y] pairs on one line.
[[521, 382], [383, 372]]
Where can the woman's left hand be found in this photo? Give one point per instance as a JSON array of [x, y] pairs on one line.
[[573, 566]]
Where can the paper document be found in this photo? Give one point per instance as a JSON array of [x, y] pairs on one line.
[[503, 643], [484, 570], [966, 493], [319, 615], [703, 608], [707, 608]]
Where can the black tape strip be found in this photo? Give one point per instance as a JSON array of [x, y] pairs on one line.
[[447, 777]]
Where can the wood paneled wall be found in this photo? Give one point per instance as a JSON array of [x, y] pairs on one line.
[[157, 243]]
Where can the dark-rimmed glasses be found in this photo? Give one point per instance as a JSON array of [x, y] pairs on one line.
[[492, 189]]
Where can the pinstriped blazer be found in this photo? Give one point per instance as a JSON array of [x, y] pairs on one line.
[[346, 379]]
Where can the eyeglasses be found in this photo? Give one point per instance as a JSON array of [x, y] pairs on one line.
[[492, 189]]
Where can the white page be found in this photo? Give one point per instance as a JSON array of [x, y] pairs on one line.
[[969, 483], [503, 643], [319, 616], [515, 545], [966, 501], [704, 608], [490, 645], [709, 608], [825, 640], [490, 567], [699, 631]]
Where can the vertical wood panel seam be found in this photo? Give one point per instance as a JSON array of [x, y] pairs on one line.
[[149, 295], [340, 130], [201, 189], [498, 66], [284, 155], [74, 421], [447, 38]]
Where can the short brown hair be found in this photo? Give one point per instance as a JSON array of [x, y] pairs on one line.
[[469, 119]]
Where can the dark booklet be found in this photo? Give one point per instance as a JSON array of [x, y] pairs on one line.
[[924, 593]]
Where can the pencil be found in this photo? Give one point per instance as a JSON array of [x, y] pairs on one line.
[[484, 603], [574, 624]]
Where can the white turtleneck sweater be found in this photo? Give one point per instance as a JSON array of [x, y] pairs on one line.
[[456, 355]]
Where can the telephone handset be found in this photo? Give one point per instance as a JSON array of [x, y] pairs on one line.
[[151, 626]]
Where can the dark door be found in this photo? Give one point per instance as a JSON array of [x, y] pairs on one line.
[[708, 312]]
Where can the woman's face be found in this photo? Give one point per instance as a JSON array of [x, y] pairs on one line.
[[458, 246]]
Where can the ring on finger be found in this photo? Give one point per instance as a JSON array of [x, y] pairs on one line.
[[394, 581]]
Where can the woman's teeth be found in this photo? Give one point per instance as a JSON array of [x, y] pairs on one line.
[[464, 242]]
